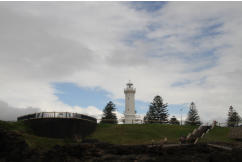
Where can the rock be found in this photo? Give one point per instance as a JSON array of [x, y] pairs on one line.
[[13, 146]]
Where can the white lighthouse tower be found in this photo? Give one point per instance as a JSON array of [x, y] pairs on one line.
[[129, 115]]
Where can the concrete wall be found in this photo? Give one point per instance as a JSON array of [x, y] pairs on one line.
[[61, 127]]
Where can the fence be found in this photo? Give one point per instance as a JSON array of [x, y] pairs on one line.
[[121, 121], [140, 121], [135, 121], [56, 115]]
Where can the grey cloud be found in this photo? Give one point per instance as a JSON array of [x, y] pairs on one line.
[[131, 58], [9, 113], [83, 43], [55, 40], [28, 44]]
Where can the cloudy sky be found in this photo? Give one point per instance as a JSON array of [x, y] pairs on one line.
[[77, 56]]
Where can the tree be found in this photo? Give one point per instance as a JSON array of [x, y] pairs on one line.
[[193, 117], [174, 121], [108, 115], [157, 111], [233, 118]]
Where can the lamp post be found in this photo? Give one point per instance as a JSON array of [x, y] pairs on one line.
[[182, 110], [181, 114]]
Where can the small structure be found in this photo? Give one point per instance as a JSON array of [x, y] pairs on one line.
[[129, 115], [60, 124]]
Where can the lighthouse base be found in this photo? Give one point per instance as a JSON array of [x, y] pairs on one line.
[[129, 119]]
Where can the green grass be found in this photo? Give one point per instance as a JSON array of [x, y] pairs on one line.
[[44, 143], [15, 126], [218, 134], [139, 133], [120, 134]]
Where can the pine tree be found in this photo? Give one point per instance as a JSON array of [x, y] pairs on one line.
[[174, 121], [230, 120], [193, 117], [108, 115], [237, 118], [157, 111], [233, 118]]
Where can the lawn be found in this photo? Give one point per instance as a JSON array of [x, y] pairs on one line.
[[139, 133], [14, 126], [218, 134], [121, 134]]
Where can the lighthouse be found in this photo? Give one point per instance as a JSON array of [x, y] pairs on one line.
[[129, 114]]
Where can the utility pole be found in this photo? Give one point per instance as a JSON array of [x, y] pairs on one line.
[[181, 114], [181, 110]]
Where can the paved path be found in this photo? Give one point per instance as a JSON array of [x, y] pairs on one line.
[[178, 145], [221, 147]]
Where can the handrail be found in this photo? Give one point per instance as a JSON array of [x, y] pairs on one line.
[[56, 115]]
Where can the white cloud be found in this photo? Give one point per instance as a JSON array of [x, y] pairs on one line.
[[10, 113], [84, 43]]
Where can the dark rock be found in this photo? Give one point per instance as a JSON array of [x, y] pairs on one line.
[[14, 148]]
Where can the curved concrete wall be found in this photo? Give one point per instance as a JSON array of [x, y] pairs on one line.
[[61, 127]]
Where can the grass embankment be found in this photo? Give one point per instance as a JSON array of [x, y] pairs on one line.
[[218, 134], [120, 134], [139, 133], [35, 142]]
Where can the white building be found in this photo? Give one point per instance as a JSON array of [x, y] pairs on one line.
[[129, 114]]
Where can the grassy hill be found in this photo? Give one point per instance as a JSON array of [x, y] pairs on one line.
[[139, 133], [218, 134], [120, 134]]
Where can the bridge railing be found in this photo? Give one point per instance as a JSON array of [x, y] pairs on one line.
[[56, 115]]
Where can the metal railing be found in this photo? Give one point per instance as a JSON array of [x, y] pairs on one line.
[[121, 121], [56, 115]]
